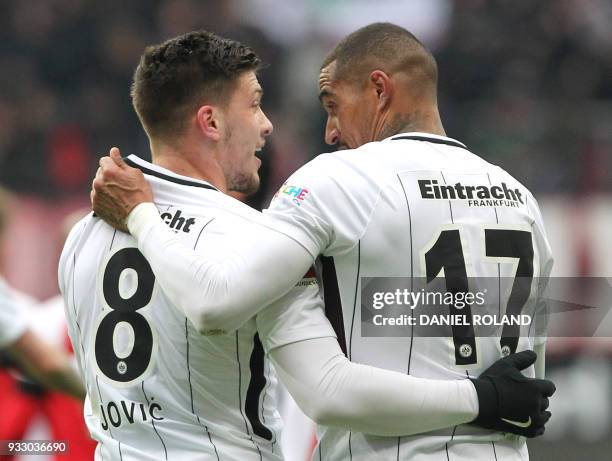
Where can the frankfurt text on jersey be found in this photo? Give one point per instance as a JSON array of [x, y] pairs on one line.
[[482, 195]]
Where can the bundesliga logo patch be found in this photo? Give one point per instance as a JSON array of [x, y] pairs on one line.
[[297, 194]]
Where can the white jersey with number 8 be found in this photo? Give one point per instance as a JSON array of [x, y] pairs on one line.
[[156, 387]]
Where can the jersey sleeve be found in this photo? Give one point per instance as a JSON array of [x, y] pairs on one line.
[[244, 271], [297, 316], [318, 208], [333, 391], [12, 320]]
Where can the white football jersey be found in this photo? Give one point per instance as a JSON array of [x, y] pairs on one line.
[[12, 319], [156, 388], [416, 206]]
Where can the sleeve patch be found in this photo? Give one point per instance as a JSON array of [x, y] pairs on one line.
[[296, 194]]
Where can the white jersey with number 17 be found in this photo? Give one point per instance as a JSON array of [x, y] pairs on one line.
[[416, 206]]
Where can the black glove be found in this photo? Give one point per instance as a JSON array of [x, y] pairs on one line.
[[511, 402]]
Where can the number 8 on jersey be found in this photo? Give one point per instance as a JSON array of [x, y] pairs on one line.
[[125, 341]]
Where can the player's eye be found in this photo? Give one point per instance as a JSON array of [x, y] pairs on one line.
[[330, 107]]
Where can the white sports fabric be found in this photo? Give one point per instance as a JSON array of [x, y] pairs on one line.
[[156, 388], [12, 320], [300, 340], [374, 212], [336, 392], [377, 211]]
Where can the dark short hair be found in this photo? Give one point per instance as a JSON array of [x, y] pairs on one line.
[[174, 78], [382, 44]]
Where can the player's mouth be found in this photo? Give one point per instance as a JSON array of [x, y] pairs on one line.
[[257, 159]]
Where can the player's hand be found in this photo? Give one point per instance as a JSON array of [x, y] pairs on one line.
[[510, 401], [117, 189]]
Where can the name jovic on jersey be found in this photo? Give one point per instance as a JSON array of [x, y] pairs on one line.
[[400, 208], [156, 388]]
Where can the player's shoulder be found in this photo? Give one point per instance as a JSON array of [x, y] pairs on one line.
[[74, 240], [221, 209], [347, 165], [77, 231], [503, 175], [181, 198], [333, 177], [379, 159], [356, 156], [169, 186], [499, 175]]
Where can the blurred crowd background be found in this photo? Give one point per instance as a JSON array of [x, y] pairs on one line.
[[525, 84]]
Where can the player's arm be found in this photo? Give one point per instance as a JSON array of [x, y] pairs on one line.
[[219, 290], [336, 392], [333, 391], [49, 365], [46, 363], [223, 288]]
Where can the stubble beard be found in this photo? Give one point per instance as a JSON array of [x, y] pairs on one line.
[[243, 182], [240, 181]]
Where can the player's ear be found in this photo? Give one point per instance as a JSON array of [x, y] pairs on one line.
[[383, 86], [208, 120]]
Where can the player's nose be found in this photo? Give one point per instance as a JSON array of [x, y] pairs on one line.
[[332, 135], [267, 127]]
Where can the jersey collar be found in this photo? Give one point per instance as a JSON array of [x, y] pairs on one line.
[[428, 137], [163, 173]]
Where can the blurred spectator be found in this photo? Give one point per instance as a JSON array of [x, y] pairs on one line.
[[520, 79]]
